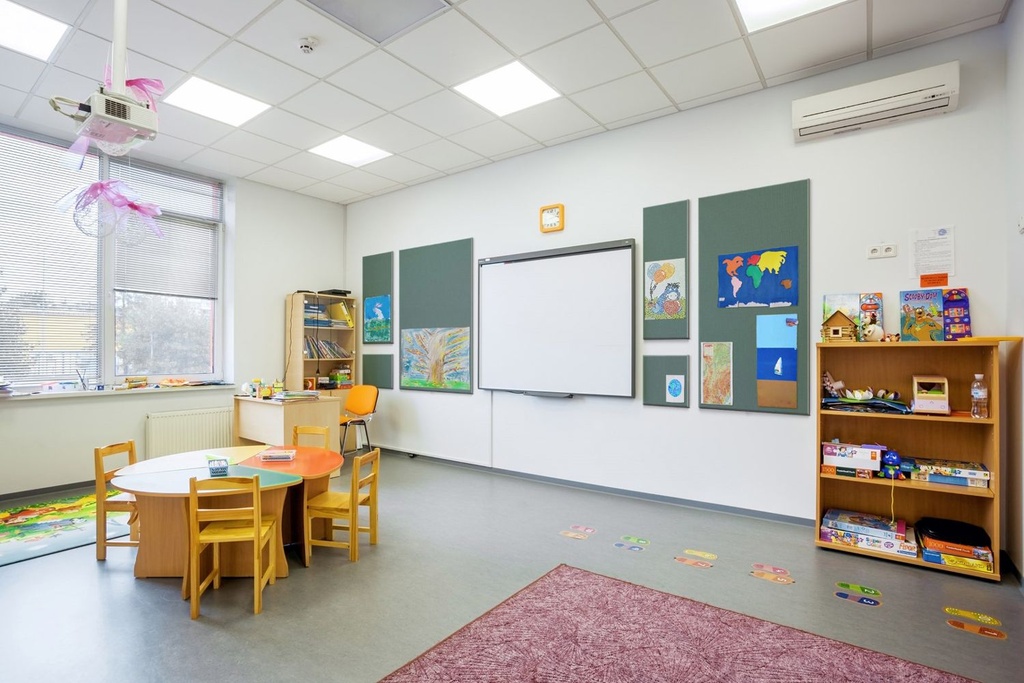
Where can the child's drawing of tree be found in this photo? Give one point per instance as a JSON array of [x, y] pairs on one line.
[[436, 358]]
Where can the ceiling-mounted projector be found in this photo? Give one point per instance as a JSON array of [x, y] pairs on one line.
[[115, 122]]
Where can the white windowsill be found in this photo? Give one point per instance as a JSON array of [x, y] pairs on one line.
[[47, 395]]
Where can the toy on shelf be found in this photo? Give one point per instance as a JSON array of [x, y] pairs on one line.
[[931, 395], [891, 466]]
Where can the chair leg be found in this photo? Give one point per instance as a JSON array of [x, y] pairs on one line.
[[193, 578], [344, 439], [257, 575], [307, 537], [366, 433], [353, 533], [101, 532]]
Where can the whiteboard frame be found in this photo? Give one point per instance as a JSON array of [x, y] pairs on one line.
[[629, 244]]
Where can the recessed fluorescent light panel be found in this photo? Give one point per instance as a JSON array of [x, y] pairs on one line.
[[349, 151], [508, 89], [213, 101], [381, 19], [28, 32], [759, 14]]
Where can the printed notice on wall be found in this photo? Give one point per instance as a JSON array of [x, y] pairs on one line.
[[931, 251]]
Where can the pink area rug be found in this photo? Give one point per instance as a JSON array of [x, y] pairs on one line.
[[575, 626]]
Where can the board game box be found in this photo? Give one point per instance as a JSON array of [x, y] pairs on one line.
[[864, 523], [907, 548]]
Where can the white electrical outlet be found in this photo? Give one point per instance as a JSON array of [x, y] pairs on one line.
[[888, 250], [874, 251]]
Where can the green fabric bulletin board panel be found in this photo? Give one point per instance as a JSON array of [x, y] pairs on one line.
[[379, 370], [435, 289], [658, 372], [666, 246], [378, 282], [744, 233]]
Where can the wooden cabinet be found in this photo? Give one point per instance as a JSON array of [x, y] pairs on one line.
[[957, 436], [320, 337]]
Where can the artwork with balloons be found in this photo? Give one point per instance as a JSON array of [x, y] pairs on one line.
[[665, 289]]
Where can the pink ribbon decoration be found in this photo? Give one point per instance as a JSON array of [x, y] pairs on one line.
[[119, 196], [144, 89], [75, 157]]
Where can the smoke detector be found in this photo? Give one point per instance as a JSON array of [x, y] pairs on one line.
[[308, 44]]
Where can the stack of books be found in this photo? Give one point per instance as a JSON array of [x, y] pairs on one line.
[[955, 544], [867, 531], [951, 472], [292, 396], [277, 454]]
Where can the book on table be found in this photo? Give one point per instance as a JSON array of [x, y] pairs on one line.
[[277, 454]]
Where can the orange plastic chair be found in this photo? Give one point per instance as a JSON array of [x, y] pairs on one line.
[[210, 526], [121, 502], [359, 408], [344, 506]]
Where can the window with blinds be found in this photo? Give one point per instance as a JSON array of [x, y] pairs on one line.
[[128, 303]]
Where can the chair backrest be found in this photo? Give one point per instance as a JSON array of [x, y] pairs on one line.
[[202, 489], [362, 400], [324, 432], [365, 471], [100, 455]]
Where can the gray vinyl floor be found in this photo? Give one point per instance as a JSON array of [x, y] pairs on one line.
[[454, 542]]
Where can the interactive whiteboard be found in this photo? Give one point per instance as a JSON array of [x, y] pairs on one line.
[[559, 322]]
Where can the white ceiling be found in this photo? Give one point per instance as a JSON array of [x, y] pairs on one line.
[[616, 62]]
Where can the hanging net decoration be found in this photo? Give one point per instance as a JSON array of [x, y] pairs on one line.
[[106, 206]]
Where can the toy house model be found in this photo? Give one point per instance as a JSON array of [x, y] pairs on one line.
[[838, 328]]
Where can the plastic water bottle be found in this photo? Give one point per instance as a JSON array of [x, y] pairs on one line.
[[979, 397]]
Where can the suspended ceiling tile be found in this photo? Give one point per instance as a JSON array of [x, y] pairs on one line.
[[526, 25], [290, 129], [19, 71], [313, 166], [893, 21], [332, 107], [443, 155], [66, 11], [721, 68], [399, 169], [37, 115], [492, 139], [157, 32], [583, 61], [167, 147], [536, 147], [10, 100], [392, 134], [613, 8], [719, 96], [936, 36], [255, 147], [192, 127], [223, 162], [445, 113], [551, 120], [625, 98], [226, 16], [639, 118], [278, 177], [364, 182], [383, 80], [279, 31], [450, 49], [669, 29], [817, 69], [333, 193], [246, 71], [87, 55], [823, 37], [63, 83]]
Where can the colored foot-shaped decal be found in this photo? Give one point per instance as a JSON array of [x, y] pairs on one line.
[[769, 576], [977, 628], [701, 553], [574, 534], [852, 587], [583, 529], [859, 599], [636, 540], [976, 616], [761, 567], [627, 546], [694, 563]]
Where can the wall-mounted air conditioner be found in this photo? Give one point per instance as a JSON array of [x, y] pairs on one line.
[[934, 90]]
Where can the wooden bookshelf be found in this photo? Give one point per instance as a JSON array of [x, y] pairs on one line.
[[958, 436]]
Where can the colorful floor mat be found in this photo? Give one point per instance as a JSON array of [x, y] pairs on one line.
[[30, 531]]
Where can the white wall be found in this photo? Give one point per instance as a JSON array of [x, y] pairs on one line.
[[866, 187], [1014, 232], [282, 241]]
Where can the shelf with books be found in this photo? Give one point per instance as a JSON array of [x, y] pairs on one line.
[[956, 437], [320, 340]]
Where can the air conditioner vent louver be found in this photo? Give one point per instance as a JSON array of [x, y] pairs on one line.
[[934, 90], [116, 109]]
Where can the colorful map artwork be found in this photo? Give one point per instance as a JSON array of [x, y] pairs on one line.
[[716, 373], [758, 278]]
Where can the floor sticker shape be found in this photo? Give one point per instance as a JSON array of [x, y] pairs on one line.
[[574, 534], [693, 563], [975, 616], [636, 540], [700, 553], [583, 529], [774, 578], [628, 546], [771, 569], [977, 628], [855, 588], [859, 599]]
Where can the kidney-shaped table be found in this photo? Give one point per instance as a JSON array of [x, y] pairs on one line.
[[161, 490]]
